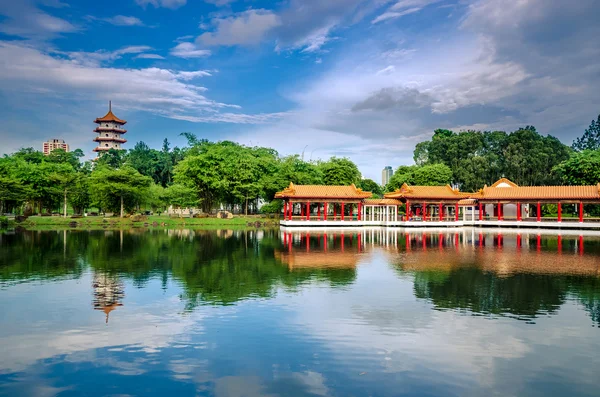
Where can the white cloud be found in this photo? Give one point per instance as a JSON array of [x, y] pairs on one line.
[[99, 57], [23, 19], [244, 28], [193, 75], [122, 20], [402, 8], [149, 56], [172, 4], [189, 50], [219, 3]]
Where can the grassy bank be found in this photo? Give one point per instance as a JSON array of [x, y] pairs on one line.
[[150, 222]]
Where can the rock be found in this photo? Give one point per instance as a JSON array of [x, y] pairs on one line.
[[146, 224], [224, 215], [20, 218], [139, 218], [72, 224], [154, 224]]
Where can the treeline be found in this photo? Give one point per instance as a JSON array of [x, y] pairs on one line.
[[203, 174], [472, 159]]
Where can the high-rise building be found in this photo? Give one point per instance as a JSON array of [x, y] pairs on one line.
[[386, 175], [109, 130], [52, 144]]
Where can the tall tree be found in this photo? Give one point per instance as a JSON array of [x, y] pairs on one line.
[[369, 185], [339, 171], [590, 140], [118, 188], [582, 168]]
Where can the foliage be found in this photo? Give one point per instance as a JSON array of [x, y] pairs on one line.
[[112, 188], [590, 140], [180, 196], [582, 168], [369, 185], [478, 158], [426, 175], [339, 171], [274, 207]]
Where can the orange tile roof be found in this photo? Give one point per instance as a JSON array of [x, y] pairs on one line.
[[426, 192], [468, 201], [539, 193], [504, 180], [110, 116], [383, 201], [322, 191]]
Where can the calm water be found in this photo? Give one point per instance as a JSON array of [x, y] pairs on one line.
[[234, 313]]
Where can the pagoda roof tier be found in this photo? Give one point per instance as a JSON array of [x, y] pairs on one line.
[[109, 139], [509, 191], [322, 192], [110, 129], [110, 116], [102, 149], [407, 192]]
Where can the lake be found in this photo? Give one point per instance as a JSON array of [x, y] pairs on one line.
[[294, 313]]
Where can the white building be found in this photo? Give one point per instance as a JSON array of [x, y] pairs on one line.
[[386, 175]]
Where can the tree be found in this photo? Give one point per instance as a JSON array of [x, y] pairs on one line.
[[427, 175], [369, 185], [339, 171], [582, 168], [123, 187], [590, 140], [113, 158], [180, 196]]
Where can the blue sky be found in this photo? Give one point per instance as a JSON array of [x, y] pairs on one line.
[[366, 79]]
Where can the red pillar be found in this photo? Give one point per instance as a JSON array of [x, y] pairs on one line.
[[359, 211], [559, 244], [342, 237], [342, 211], [538, 244], [580, 245], [359, 241], [325, 210], [480, 239], [441, 240], [559, 212], [290, 243], [301, 211], [424, 212], [480, 211], [308, 210], [325, 242], [424, 241], [319, 211], [581, 211], [519, 240], [441, 212], [456, 212], [518, 211], [500, 212], [407, 209], [334, 211], [539, 212], [407, 237]]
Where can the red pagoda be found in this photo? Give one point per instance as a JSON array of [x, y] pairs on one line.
[[109, 130]]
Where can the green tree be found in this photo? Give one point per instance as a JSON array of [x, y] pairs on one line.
[[114, 188], [427, 175], [590, 140], [113, 158], [582, 168], [180, 196], [369, 185], [339, 171]]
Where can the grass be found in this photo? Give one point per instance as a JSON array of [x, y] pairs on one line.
[[151, 222]]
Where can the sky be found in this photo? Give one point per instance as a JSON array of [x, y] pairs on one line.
[[363, 79]]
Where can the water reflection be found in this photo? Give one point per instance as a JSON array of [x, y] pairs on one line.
[[292, 312]]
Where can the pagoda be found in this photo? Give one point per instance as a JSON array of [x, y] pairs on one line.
[[109, 130]]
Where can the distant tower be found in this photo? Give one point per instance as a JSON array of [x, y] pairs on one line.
[[109, 292], [386, 175], [110, 128]]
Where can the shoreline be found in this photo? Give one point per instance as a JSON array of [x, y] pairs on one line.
[[147, 222]]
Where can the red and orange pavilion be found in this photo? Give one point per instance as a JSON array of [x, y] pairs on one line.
[[503, 204], [110, 130]]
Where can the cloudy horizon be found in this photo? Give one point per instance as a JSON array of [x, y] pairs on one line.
[[364, 79]]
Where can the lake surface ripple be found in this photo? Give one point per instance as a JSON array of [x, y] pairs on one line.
[[290, 313]]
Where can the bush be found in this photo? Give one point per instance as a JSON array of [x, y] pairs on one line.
[[274, 207], [3, 221]]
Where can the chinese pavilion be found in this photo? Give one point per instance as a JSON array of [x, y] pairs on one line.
[[502, 204], [109, 130]]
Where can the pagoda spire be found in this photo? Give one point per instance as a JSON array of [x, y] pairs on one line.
[[110, 106]]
